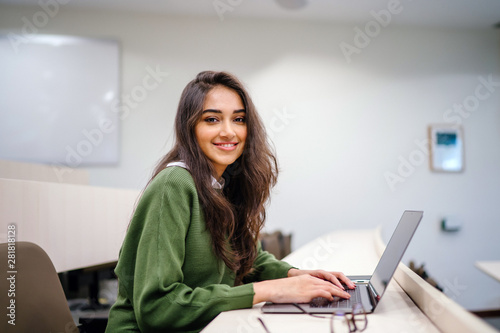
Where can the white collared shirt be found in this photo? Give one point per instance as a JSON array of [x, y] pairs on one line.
[[218, 185]]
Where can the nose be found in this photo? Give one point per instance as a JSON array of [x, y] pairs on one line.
[[227, 130]]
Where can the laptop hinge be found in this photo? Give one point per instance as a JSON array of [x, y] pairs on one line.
[[373, 295]]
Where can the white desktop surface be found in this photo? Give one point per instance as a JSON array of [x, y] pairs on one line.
[[352, 252], [492, 268]]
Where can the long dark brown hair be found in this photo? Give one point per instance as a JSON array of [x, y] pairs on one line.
[[234, 217]]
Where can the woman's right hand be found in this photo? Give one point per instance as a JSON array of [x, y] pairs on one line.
[[297, 289]]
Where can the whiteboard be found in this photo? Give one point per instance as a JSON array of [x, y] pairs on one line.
[[59, 100]]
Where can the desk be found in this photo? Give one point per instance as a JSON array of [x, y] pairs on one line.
[[409, 304], [354, 253], [492, 268]]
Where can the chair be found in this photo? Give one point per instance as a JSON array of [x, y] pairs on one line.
[[34, 286], [276, 243]]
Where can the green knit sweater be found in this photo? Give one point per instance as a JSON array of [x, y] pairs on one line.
[[169, 279]]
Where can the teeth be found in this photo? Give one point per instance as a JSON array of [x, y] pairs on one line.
[[227, 145]]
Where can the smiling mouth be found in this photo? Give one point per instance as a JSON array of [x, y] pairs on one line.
[[225, 145], [230, 146]]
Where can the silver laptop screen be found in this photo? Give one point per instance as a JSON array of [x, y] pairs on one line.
[[394, 251]]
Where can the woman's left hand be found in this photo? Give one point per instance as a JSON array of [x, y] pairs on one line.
[[334, 277]]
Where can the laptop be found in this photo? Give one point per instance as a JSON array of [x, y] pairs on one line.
[[369, 289]]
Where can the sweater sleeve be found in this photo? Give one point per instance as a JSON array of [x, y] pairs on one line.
[[267, 267], [160, 246]]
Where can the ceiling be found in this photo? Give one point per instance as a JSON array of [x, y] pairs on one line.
[[433, 13]]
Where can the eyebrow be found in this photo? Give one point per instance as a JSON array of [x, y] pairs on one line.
[[219, 111]]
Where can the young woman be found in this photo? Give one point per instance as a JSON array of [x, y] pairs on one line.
[[192, 250]]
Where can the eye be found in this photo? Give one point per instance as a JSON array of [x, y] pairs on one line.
[[210, 120], [241, 119]]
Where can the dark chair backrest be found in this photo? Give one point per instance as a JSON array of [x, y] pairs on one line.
[[31, 292], [276, 243]]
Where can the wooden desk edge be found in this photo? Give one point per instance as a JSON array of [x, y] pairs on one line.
[[485, 267], [446, 314]]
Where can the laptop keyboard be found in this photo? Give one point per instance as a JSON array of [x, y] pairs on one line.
[[321, 302]]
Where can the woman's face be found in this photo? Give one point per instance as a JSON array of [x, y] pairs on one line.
[[222, 130]]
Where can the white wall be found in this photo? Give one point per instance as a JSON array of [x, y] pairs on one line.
[[338, 127]]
